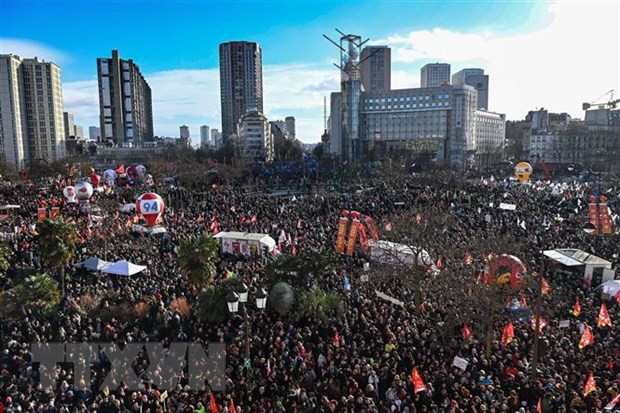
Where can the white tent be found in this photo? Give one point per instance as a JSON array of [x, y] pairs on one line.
[[95, 264], [387, 252], [577, 258], [611, 287], [244, 243], [124, 268]]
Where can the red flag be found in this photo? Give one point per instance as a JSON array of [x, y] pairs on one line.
[[590, 385], [508, 334], [587, 338], [231, 406], [467, 335], [242, 219], [213, 404], [613, 403], [539, 406], [541, 324], [603, 317], [294, 251], [268, 368], [363, 238], [302, 351], [372, 227], [439, 264], [199, 219], [120, 169], [618, 298], [544, 286], [336, 340], [416, 380], [577, 308]]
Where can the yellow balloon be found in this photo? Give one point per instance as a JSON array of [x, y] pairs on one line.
[[523, 171]]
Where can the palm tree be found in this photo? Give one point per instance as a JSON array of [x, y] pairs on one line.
[[57, 242], [198, 258], [320, 304], [38, 293]]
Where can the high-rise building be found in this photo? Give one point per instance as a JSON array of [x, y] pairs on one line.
[[31, 109], [216, 138], [69, 124], [376, 68], [125, 105], [205, 138], [79, 132], [184, 132], [254, 141], [435, 74], [476, 78], [241, 82], [289, 121], [94, 133]]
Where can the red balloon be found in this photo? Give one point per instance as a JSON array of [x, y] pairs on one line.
[[150, 206], [95, 179], [132, 172]]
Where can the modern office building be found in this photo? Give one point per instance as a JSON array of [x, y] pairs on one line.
[[69, 124], [94, 133], [254, 141], [31, 110], [241, 82], [78, 132], [476, 78], [216, 139], [125, 103], [489, 138], [376, 68], [205, 138], [184, 132], [434, 75]]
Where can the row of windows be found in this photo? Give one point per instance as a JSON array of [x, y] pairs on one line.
[[407, 99], [407, 106]]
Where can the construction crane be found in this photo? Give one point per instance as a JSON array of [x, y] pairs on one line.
[[611, 104]]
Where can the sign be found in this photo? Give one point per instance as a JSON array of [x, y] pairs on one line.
[[564, 323], [389, 298], [366, 266], [460, 363], [507, 207], [364, 277]]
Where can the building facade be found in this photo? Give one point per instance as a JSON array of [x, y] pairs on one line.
[[69, 124], [289, 122], [241, 82], [434, 75], [489, 138], [184, 132], [376, 68], [477, 79], [94, 133], [254, 141], [216, 139], [205, 138], [125, 102], [78, 132], [31, 106]]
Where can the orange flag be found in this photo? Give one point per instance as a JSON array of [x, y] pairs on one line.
[[539, 406], [577, 308], [508, 334], [590, 385], [416, 380], [544, 286], [541, 324], [587, 338], [467, 335], [603, 317], [213, 407], [231, 406]]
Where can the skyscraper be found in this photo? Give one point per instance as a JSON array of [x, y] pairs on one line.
[[376, 68], [94, 133], [69, 124], [435, 74], [289, 121], [204, 135], [477, 79], [125, 106], [241, 82], [31, 110], [184, 132]]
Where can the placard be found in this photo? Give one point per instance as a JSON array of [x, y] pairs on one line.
[[564, 323], [460, 363]]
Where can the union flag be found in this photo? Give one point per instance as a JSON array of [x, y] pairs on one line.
[[467, 335], [577, 308], [587, 338], [416, 380], [603, 317], [590, 385], [508, 334]]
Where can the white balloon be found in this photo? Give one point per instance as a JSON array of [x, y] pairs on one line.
[[141, 170], [109, 175], [69, 193], [83, 191]]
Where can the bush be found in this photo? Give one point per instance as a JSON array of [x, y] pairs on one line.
[[281, 298]]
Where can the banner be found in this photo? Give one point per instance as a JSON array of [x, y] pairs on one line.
[[342, 231], [353, 233], [41, 214], [55, 213], [372, 227], [593, 213], [363, 238], [605, 219]]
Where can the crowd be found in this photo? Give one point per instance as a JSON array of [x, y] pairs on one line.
[[297, 365]]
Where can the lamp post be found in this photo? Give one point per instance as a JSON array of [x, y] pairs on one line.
[[241, 296]]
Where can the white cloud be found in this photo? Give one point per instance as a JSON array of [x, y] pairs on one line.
[[573, 59], [29, 49]]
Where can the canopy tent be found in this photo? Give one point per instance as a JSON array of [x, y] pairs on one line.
[[244, 243], [95, 264], [611, 287], [571, 257], [124, 268], [392, 253]]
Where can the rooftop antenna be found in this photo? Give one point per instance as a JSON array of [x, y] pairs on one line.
[[350, 47]]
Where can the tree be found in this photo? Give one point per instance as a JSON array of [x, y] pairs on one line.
[[320, 304], [36, 293], [281, 298], [300, 272], [57, 242], [212, 306], [198, 258], [6, 252]]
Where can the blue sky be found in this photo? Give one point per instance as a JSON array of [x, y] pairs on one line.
[[532, 50]]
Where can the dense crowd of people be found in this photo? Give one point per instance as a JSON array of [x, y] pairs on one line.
[[296, 363]]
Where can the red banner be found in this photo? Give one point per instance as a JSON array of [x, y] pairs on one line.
[[363, 238], [353, 233], [55, 213], [342, 231], [41, 214], [593, 214], [372, 228], [605, 218]]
